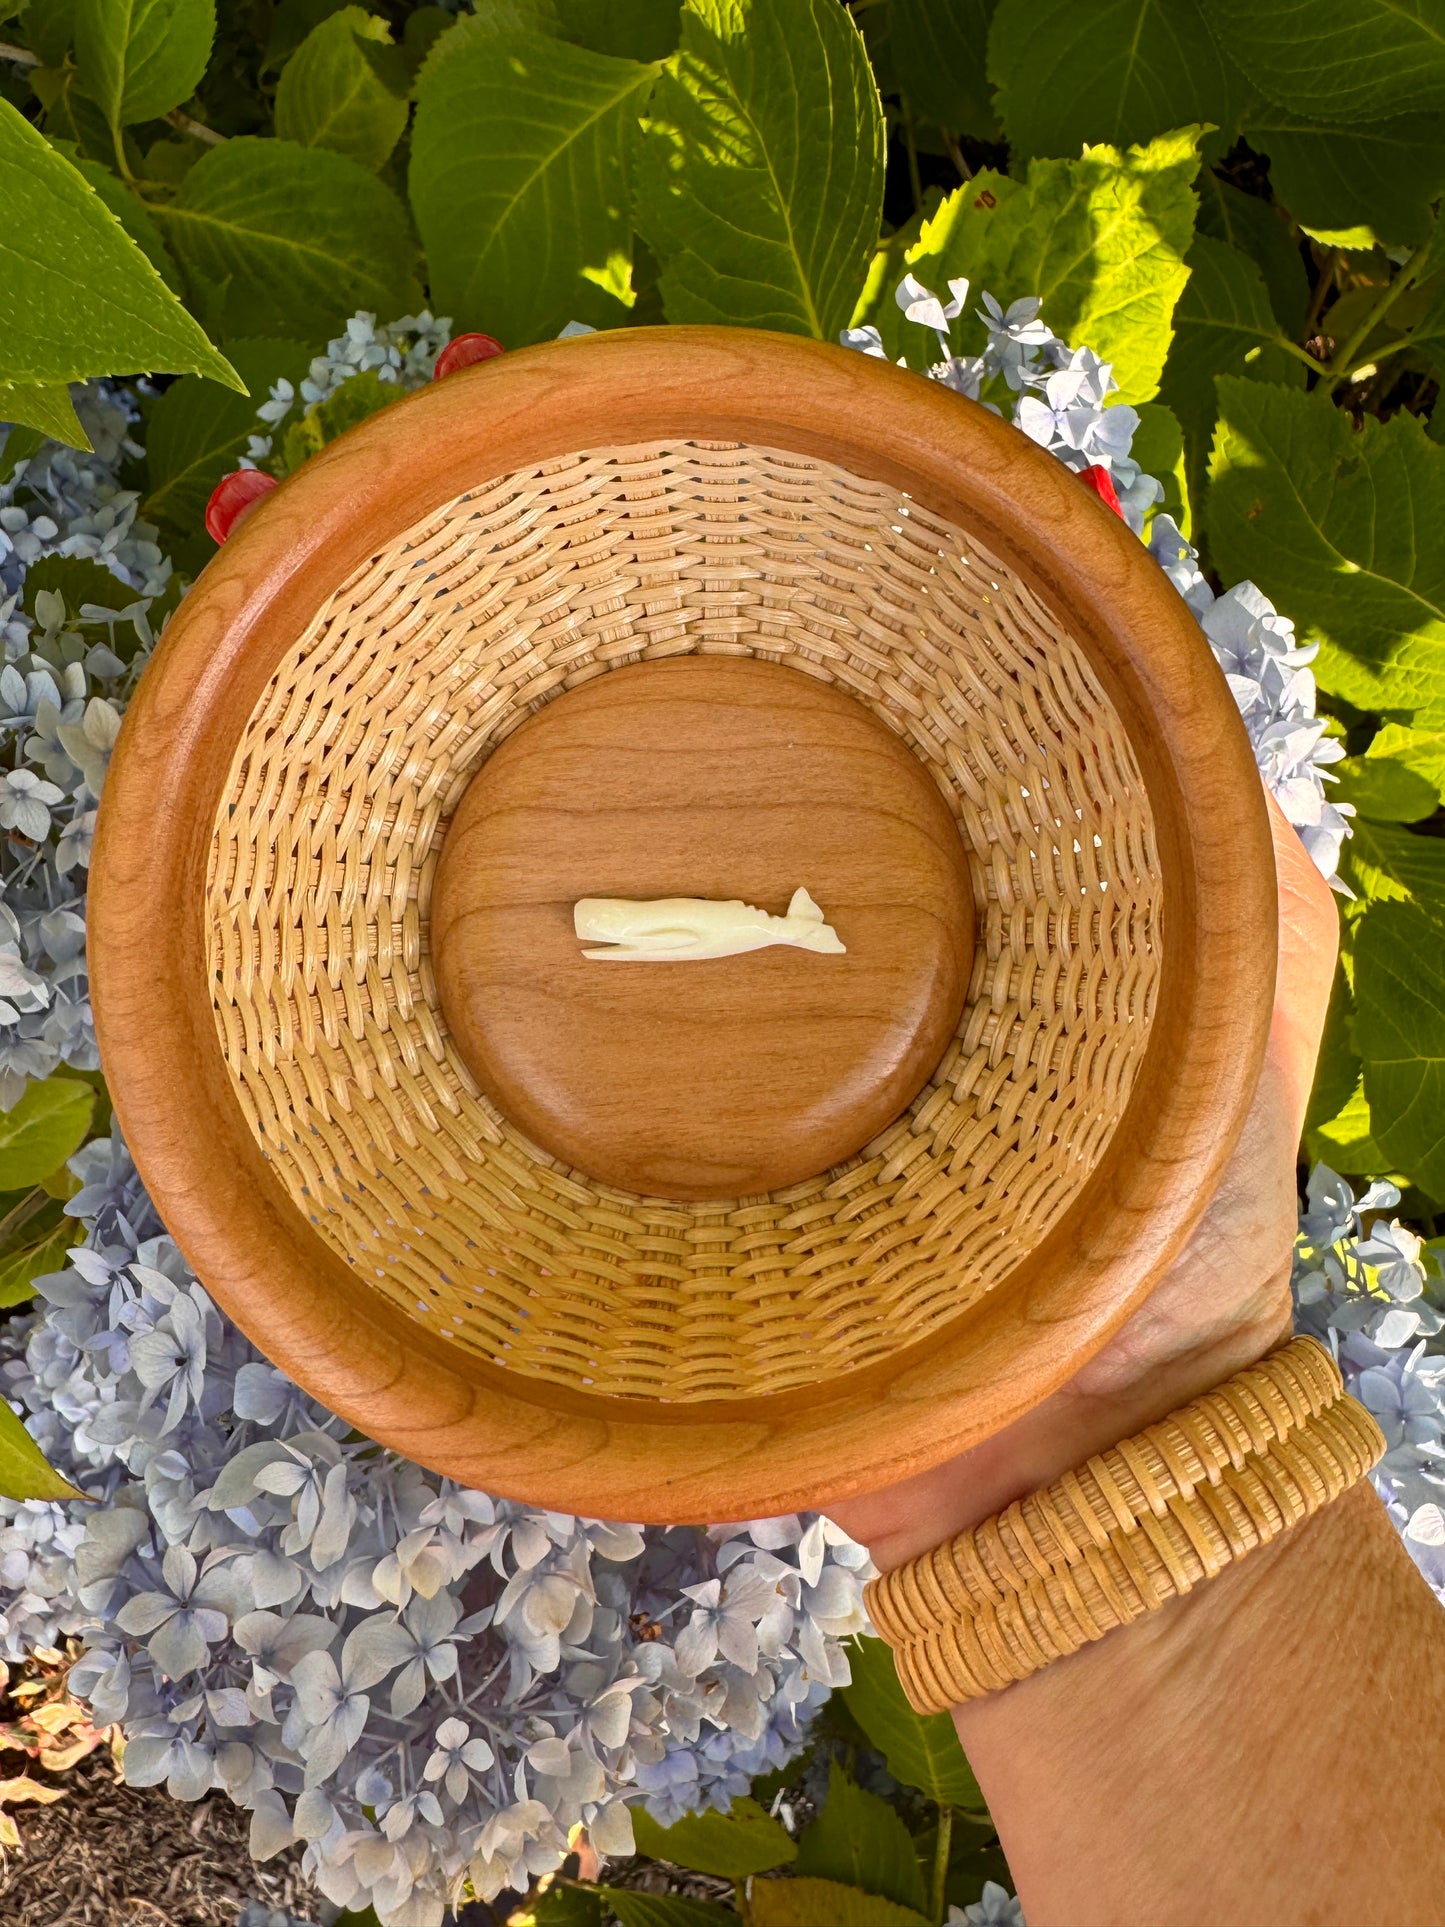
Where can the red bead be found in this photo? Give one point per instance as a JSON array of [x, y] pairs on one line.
[[233, 498], [464, 352], [1102, 483]]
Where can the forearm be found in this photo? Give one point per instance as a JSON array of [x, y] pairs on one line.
[[1262, 1751]]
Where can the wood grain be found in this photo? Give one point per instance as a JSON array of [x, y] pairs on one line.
[[300, 1301], [707, 777]]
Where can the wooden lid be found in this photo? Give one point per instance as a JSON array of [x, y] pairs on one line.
[[722, 778]]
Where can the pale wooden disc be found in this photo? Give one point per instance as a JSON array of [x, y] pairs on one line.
[[713, 777]]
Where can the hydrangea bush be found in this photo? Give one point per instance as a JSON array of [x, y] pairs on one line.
[[422, 1683], [428, 1687]]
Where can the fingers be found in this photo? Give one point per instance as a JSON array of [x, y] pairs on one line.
[[1309, 931]]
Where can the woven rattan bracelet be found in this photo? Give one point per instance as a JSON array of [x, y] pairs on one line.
[[1134, 1526], [1117, 1489]]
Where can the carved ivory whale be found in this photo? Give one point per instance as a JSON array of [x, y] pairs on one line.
[[686, 929]]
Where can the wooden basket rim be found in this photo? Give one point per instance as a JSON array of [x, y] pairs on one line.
[[298, 1300]]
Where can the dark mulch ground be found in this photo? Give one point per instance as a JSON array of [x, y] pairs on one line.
[[118, 1856]]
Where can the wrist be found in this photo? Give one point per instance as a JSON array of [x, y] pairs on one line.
[[1171, 1771], [1108, 1401], [1142, 1523]]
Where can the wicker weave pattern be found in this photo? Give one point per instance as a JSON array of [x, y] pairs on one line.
[[1135, 1526], [333, 818]]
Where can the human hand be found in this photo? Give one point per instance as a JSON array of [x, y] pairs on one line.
[[1221, 1305]]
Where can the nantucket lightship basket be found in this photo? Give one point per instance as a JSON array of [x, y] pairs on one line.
[[301, 1088]]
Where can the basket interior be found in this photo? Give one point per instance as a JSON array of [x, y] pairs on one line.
[[334, 814]]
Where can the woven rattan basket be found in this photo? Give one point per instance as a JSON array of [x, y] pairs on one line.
[[281, 793]]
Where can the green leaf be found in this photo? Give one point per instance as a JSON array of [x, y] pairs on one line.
[[1261, 230], [20, 1269], [1384, 862], [71, 117], [1337, 1070], [859, 1840], [1345, 1141], [45, 407], [760, 186], [28, 1216], [50, 30], [276, 239], [140, 58], [77, 296], [1329, 521], [1101, 240], [627, 29], [1400, 1031], [922, 1753], [1427, 337], [1385, 789], [520, 183], [1355, 186], [1338, 60], [1224, 324], [330, 94], [24, 1473], [734, 1844], [197, 433], [488, 19], [811, 1903], [971, 1866], [45, 1128], [76, 579], [421, 32], [1120, 71], [19, 445], [665, 1910], [134, 216], [1158, 447], [566, 1906], [1420, 750], [940, 58], [291, 21], [888, 265]]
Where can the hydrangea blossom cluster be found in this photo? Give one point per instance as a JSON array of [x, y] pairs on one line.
[[1364, 1292], [403, 352], [1061, 400], [1059, 393], [1270, 679], [995, 1907], [63, 685], [62, 501], [425, 1685]]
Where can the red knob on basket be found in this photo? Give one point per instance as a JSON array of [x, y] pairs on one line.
[[233, 498], [464, 351], [1102, 483]]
